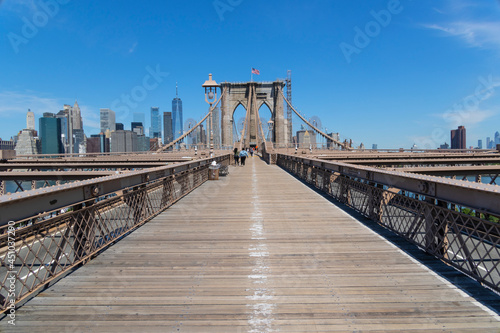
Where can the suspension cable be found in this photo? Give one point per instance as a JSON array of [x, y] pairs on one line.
[[343, 145], [168, 145]]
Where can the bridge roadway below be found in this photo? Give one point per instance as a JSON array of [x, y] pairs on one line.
[[257, 251]]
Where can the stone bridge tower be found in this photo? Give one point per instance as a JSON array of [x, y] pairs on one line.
[[252, 95]]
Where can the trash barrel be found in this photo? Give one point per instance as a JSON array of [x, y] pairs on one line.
[[213, 172]]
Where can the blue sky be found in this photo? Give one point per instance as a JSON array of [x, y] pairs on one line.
[[416, 70]]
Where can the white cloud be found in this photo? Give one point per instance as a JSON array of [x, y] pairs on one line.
[[458, 6], [467, 117], [473, 22], [15, 103], [475, 34], [468, 110], [474, 109]]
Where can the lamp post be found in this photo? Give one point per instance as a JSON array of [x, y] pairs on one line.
[[210, 97]]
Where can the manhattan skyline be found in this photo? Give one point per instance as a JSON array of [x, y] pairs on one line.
[[392, 73]]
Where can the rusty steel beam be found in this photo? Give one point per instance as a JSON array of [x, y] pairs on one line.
[[452, 170], [111, 159], [84, 165], [177, 156], [54, 175], [144, 154], [367, 153], [421, 161], [321, 149], [484, 197], [357, 155], [25, 204]]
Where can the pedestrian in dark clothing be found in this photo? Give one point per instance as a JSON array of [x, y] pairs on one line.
[[243, 156], [236, 157]]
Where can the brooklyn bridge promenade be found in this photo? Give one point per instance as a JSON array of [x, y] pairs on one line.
[[259, 251]]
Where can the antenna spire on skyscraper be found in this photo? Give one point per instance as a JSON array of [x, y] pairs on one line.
[[176, 90]]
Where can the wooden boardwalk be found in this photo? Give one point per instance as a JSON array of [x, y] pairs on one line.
[[257, 251]]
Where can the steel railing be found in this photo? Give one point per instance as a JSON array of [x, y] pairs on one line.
[[456, 221], [38, 246]]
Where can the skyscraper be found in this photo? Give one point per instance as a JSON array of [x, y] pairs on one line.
[[107, 120], [67, 127], [155, 129], [50, 134], [79, 142], [137, 127], [64, 116], [168, 134], [123, 141], [497, 138], [306, 139], [143, 143], [30, 120], [177, 121], [97, 143], [336, 136], [191, 139], [458, 138], [26, 143], [76, 117], [480, 144]]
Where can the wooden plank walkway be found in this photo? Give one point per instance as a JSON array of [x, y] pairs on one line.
[[257, 251]]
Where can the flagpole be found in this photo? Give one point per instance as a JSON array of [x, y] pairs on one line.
[[251, 74]]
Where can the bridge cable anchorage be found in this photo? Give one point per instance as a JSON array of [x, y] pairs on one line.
[[343, 145], [171, 144]]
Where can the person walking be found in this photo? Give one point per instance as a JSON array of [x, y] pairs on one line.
[[243, 156], [251, 152], [236, 157]]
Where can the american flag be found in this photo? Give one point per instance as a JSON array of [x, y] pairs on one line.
[[255, 71]]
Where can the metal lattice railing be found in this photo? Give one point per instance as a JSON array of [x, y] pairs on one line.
[[38, 249], [443, 228]]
